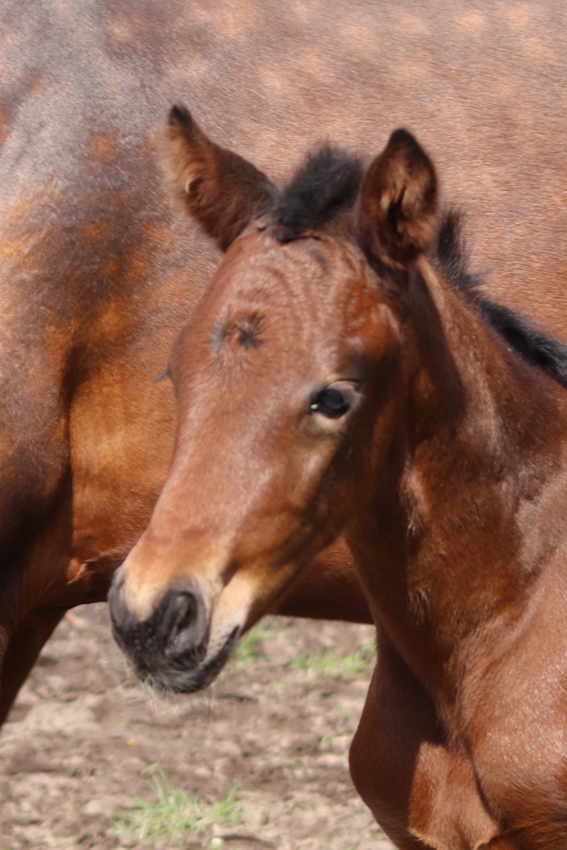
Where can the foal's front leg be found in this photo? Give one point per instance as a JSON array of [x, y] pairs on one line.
[[422, 794]]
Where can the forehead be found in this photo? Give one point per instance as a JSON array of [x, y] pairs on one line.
[[310, 306], [313, 275]]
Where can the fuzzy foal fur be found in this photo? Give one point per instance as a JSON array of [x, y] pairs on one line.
[[380, 401]]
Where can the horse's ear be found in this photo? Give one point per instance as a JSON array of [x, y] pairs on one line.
[[397, 204], [219, 188]]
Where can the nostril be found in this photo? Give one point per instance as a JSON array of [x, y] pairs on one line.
[[185, 625], [184, 610], [174, 636], [186, 616]]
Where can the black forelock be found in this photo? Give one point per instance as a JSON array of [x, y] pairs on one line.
[[533, 345], [327, 182]]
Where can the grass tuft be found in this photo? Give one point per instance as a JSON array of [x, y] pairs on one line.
[[348, 666], [343, 666], [176, 814], [246, 649]]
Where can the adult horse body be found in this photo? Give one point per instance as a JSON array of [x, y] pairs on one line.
[[97, 274], [333, 376]]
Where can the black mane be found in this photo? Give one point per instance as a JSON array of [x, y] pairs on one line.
[[533, 345], [328, 182]]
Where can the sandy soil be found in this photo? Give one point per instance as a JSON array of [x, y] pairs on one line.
[[85, 747]]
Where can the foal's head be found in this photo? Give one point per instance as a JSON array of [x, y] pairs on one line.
[[287, 389]]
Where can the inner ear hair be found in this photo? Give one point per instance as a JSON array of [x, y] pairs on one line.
[[397, 205], [219, 188]]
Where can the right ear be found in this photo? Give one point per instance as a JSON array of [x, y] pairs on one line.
[[220, 189], [397, 204]]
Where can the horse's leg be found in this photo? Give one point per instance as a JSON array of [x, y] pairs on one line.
[[23, 649], [36, 591], [329, 589], [422, 794], [397, 718]]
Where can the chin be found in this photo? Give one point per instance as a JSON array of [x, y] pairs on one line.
[[182, 675]]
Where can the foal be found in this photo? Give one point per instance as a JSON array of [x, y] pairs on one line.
[[335, 377]]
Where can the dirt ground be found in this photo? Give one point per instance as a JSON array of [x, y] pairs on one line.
[[89, 759]]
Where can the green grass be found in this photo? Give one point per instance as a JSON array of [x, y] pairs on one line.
[[348, 666], [246, 649], [177, 815], [278, 688]]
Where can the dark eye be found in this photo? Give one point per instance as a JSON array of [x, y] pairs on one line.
[[331, 402]]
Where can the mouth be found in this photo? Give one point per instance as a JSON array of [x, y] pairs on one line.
[[176, 648], [185, 674]]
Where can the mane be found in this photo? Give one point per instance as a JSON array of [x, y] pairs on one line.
[[532, 344], [325, 184]]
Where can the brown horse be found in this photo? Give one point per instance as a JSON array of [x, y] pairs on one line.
[[94, 288], [98, 274], [335, 377]]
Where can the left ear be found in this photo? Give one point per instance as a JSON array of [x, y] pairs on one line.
[[220, 189], [397, 203]]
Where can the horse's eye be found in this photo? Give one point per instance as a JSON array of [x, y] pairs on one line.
[[331, 403]]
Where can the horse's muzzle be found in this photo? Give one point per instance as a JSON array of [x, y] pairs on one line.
[[169, 647]]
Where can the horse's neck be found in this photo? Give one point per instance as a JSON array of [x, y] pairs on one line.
[[455, 531]]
